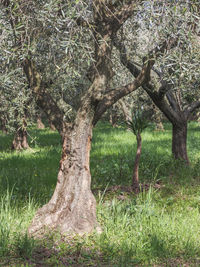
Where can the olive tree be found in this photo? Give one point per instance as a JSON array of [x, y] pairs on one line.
[[174, 81], [15, 106], [65, 49], [16, 100]]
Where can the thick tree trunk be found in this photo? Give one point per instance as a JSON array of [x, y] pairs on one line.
[[159, 126], [135, 179], [20, 140], [3, 128], [40, 124], [179, 141], [3, 124], [51, 126], [72, 207]]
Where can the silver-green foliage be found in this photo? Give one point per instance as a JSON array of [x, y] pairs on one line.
[[47, 31], [179, 67]]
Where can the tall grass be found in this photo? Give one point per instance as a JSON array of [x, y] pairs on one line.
[[151, 228], [14, 220], [140, 231]]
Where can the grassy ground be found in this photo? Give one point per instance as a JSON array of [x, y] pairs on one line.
[[155, 228]]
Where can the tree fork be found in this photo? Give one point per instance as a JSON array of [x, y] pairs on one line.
[[72, 207]]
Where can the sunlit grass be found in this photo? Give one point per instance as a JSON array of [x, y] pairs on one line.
[[155, 227]]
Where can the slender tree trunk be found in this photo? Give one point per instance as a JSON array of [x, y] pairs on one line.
[[135, 179], [159, 124], [72, 206], [179, 141]]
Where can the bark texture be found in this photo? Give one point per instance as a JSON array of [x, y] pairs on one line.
[[40, 124], [179, 141], [20, 140], [3, 125], [179, 119], [72, 206]]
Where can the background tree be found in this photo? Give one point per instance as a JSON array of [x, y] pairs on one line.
[[15, 108], [39, 117], [174, 82], [16, 105]]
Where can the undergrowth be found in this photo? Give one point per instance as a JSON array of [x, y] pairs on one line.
[[155, 228]]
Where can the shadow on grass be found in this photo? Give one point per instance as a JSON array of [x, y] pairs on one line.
[[77, 253], [33, 173], [5, 142], [36, 138]]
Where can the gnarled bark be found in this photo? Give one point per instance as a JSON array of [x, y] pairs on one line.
[[72, 206], [179, 141], [40, 124], [20, 140]]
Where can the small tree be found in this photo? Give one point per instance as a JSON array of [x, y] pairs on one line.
[[137, 124]]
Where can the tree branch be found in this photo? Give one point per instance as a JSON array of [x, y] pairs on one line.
[[124, 59], [113, 95], [157, 97], [125, 12], [172, 101], [191, 108]]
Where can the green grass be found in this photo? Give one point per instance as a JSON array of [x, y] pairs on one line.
[[155, 228]]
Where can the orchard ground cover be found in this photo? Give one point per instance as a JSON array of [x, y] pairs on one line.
[[158, 227]]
